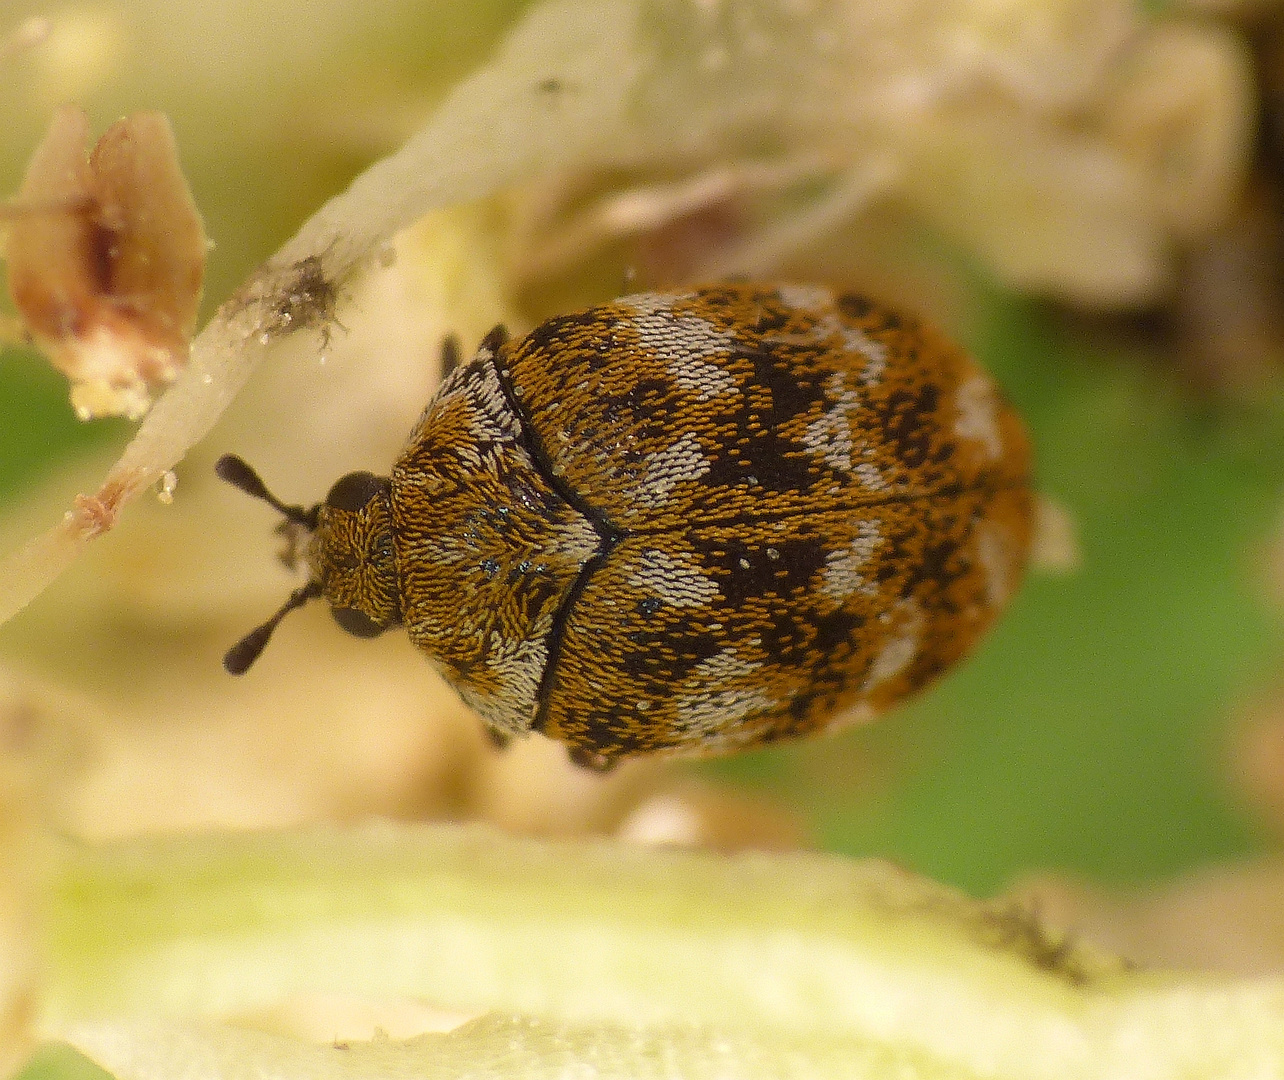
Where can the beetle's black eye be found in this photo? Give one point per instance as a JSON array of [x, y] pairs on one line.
[[357, 623], [353, 491]]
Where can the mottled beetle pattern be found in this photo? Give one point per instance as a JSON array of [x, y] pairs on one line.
[[688, 522]]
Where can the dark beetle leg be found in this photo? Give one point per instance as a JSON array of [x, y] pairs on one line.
[[450, 355], [591, 759]]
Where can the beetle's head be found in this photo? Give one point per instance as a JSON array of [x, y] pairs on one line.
[[349, 552]]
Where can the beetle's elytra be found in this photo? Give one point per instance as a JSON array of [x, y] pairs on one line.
[[686, 522]]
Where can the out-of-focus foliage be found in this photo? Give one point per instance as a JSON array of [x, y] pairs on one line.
[[106, 256], [616, 959]]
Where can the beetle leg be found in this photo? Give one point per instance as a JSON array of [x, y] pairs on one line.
[[450, 355], [591, 759], [500, 740]]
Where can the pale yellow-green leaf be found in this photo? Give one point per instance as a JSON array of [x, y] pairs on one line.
[[777, 953], [499, 1047]]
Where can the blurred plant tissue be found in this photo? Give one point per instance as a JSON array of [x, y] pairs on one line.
[[106, 256], [1073, 147]]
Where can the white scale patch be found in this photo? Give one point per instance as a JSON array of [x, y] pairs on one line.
[[685, 342], [813, 298], [701, 378], [487, 398], [517, 667], [860, 713], [899, 649], [874, 352], [678, 337], [820, 302], [870, 477], [994, 553], [718, 711], [842, 574], [721, 703], [978, 417], [830, 434], [650, 303], [856, 340], [682, 462], [493, 427], [675, 581], [833, 435], [727, 666]]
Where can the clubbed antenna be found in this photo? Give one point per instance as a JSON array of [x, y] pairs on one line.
[[237, 659], [238, 473]]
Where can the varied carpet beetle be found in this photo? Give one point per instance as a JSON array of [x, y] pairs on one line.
[[685, 522]]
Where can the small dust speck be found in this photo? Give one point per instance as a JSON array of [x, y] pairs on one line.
[[165, 487]]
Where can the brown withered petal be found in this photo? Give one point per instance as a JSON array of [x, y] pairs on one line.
[[106, 257]]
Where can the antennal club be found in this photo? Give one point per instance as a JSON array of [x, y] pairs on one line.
[[237, 659], [237, 472]]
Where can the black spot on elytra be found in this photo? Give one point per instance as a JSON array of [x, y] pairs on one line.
[[792, 389], [578, 338], [909, 424], [804, 707], [754, 453], [855, 306], [930, 569], [744, 572], [937, 563], [799, 637], [836, 631], [764, 464], [875, 317], [770, 317], [652, 402], [667, 654], [612, 728], [927, 666], [800, 705]]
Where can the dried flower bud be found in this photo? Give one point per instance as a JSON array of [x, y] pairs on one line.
[[106, 256]]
